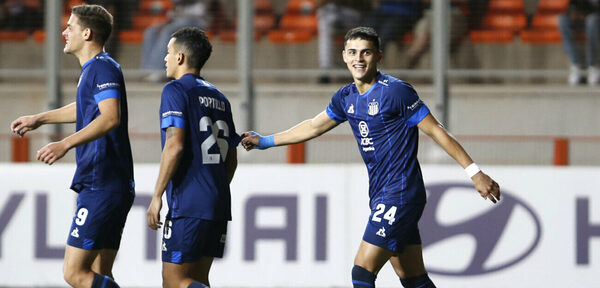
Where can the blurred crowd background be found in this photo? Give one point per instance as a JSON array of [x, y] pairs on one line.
[[521, 74]]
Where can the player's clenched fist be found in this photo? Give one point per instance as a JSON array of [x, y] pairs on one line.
[[249, 140]]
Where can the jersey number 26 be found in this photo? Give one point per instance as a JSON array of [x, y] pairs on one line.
[[213, 139]]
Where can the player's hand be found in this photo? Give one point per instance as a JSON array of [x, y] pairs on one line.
[[250, 140], [52, 152], [24, 124], [487, 187], [153, 213]]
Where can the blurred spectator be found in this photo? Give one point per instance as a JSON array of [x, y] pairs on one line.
[[581, 14], [122, 11], [20, 14], [185, 13], [464, 16], [334, 16], [394, 18]]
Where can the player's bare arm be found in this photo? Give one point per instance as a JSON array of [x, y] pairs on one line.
[[304, 131], [170, 158], [485, 185], [108, 120], [24, 124]]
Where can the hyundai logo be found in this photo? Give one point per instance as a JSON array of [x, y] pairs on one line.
[[500, 236]]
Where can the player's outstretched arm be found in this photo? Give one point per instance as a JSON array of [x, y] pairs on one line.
[[485, 185], [304, 131], [170, 158], [24, 124], [108, 119]]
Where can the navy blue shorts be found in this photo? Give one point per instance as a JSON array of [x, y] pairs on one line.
[[187, 239], [99, 219], [392, 227]]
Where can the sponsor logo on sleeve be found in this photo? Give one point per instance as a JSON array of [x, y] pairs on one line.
[[107, 86], [172, 113]]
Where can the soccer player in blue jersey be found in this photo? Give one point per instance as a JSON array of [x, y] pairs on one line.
[[104, 174], [384, 114], [198, 161]]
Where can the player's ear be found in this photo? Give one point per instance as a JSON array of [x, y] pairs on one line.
[[87, 34], [180, 58]]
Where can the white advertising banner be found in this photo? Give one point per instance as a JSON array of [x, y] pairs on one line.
[[300, 226]]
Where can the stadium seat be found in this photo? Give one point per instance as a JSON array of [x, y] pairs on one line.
[[290, 37], [299, 22], [552, 6], [16, 36], [39, 36], [131, 36], [499, 28], [544, 26], [491, 36], [506, 6]]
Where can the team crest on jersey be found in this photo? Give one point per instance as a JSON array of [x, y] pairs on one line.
[[373, 107], [351, 109]]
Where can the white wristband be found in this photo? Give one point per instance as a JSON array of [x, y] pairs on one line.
[[472, 170]]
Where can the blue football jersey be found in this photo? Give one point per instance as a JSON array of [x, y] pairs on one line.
[[105, 163], [199, 188], [383, 121]]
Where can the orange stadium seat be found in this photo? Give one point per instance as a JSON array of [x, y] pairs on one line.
[[544, 26], [39, 36], [552, 6], [499, 28], [9, 35], [299, 22], [491, 36], [506, 6], [283, 36], [131, 36]]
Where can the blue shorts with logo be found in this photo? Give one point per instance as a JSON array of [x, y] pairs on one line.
[[187, 239], [392, 227], [100, 218]]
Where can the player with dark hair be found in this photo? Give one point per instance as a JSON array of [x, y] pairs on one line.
[[198, 161], [384, 114], [104, 175]]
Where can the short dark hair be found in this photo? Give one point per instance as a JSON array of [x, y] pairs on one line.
[[365, 33], [195, 45], [97, 19]]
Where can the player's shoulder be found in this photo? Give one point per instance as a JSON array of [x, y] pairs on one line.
[[345, 90], [393, 82], [104, 62]]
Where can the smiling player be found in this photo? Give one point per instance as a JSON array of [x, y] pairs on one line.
[[384, 113]]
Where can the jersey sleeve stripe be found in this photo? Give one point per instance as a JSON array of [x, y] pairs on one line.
[[110, 93], [418, 116], [334, 116], [172, 121]]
